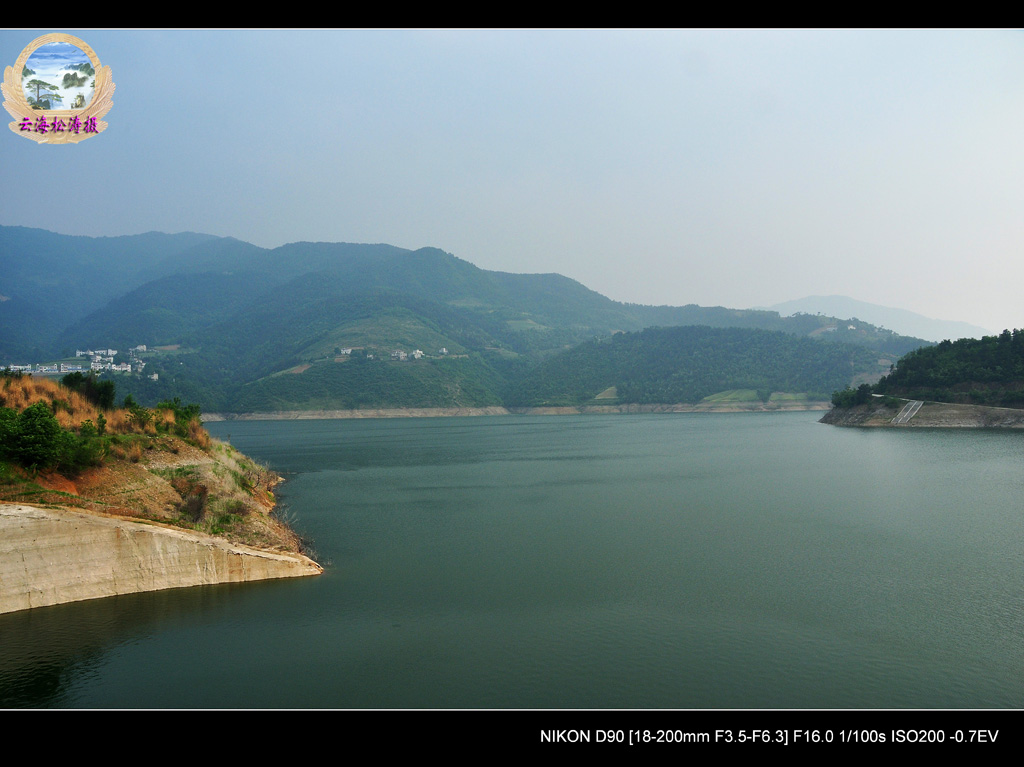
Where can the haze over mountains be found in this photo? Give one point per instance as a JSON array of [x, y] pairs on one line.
[[898, 320], [322, 325]]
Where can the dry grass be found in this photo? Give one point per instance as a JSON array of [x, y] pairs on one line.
[[72, 409], [199, 435], [67, 420], [164, 418], [118, 422], [23, 392]]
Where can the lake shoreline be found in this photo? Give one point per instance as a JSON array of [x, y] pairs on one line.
[[462, 412]]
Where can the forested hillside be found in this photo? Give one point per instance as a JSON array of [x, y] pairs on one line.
[[986, 371], [687, 364], [338, 325]]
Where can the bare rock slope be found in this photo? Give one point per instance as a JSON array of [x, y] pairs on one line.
[[56, 555], [171, 517]]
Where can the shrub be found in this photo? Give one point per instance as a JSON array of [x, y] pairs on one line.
[[140, 418], [193, 507], [40, 442], [99, 393]]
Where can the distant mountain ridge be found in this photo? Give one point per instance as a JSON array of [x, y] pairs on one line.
[[52, 280], [326, 325], [899, 320]]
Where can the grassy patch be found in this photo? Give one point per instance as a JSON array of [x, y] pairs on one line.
[[732, 395], [8, 476], [178, 472], [781, 396], [525, 325]]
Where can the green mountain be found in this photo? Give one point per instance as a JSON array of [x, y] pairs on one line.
[[315, 325], [49, 281], [985, 371], [688, 364]]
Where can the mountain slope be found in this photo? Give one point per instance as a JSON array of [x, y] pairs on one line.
[[899, 320], [687, 364], [50, 280], [986, 371], [252, 326]]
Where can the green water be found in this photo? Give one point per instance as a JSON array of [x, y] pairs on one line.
[[690, 560]]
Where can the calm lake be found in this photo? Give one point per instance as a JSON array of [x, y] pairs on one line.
[[642, 561]]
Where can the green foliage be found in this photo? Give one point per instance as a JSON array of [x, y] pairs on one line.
[[852, 397], [377, 384], [8, 433], [39, 87], [39, 441], [244, 314], [100, 393], [140, 416], [34, 440], [182, 413], [186, 417], [83, 451], [988, 371], [686, 364]]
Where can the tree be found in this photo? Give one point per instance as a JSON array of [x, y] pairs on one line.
[[39, 440], [850, 397], [8, 433], [39, 85], [100, 393]]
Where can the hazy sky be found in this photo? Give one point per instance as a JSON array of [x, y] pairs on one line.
[[735, 168]]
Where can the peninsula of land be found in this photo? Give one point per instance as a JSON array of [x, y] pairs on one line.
[[942, 415], [145, 500]]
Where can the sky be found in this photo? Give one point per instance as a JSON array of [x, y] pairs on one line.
[[719, 167]]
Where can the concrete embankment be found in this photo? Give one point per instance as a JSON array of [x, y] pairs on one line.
[[53, 556], [939, 415]]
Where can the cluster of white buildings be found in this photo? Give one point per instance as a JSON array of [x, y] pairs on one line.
[[398, 354], [99, 360], [103, 359]]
